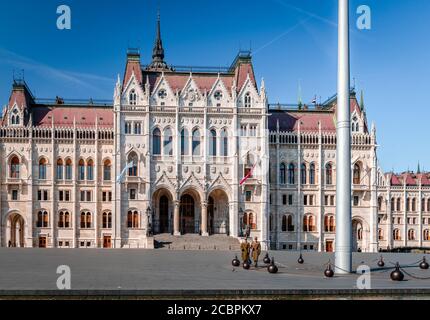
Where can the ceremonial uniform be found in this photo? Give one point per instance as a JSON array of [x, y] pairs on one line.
[[256, 251]]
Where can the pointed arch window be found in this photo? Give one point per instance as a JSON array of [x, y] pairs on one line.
[[185, 149], [396, 235], [168, 142], [42, 169], [328, 174], [81, 170], [287, 223], [90, 170], [426, 235], [312, 173], [64, 219], [303, 172], [291, 174], [283, 173], [133, 97], [224, 143], [42, 219], [14, 168], [156, 142], [411, 234], [212, 143], [107, 220], [248, 100], [132, 219], [60, 169], [399, 205], [357, 174], [107, 170], [309, 223], [86, 220], [69, 169], [132, 160], [380, 234], [196, 142]]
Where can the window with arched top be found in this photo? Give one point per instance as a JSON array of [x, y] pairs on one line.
[[212, 143], [15, 119], [393, 202], [303, 172], [328, 174], [185, 145], [168, 142], [107, 170], [309, 223], [414, 204], [224, 143], [86, 220], [132, 219], [107, 220], [287, 223], [42, 169], [90, 170], [329, 223], [156, 142], [426, 235], [196, 142], [282, 173], [408, 204], [249, 221], [380, 201], [399, 205], [312, 173], [380, 234], [357, 174], [133, 98], [247, 100], [69, 169], [60, 169], [396, 235], [291, 174], [42, 219], [132, 164], [428, 205], [64, 219], [411, 234], [81, 170], [14, 168], [360, 233]]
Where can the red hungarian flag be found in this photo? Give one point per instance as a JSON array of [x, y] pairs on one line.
[[249, 175]]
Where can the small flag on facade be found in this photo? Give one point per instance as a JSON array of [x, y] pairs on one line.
[[249, 175], [128, 166]]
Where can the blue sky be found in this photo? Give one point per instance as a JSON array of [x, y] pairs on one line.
[[291, 40]]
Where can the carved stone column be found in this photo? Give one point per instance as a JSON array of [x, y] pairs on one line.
[[176, 225], [204, 219]]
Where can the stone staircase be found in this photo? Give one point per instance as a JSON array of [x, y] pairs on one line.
[[196, 242]]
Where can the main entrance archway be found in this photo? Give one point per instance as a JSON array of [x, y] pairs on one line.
[[218, 212], [15, 231], [162, 204], [357, 235], [187, 214]]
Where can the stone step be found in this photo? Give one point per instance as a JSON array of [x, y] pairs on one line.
[[196, 242]]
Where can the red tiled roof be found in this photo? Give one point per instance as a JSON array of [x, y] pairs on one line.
[[64, 116], [289, 121], [395, 181]]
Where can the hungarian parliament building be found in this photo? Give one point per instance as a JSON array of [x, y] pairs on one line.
[[194, 151]]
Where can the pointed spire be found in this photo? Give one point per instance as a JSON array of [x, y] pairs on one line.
[[419, 168], [362, 101], [299, 95], [158, 50]]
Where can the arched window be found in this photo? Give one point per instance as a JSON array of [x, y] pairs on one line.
[[380, 203], [85, 220], [309, 223], [64, 219], [329, 223], [42, 219], [426, 235], [42, 169], [156, 142], [408, 204], [411, 234], [283, 174], [212, 143], [69, 169], [399, 207], [396, 235], [360, 233], [357, 174], [224, 143], [312, 173], [168, 142], [247, 100], [428, 205], [132, 219], [107, 170], [132, 161], [107, 220], [284, 224], [380, 234], [185, 146], [133, 98], [303, 173], [90, 170], [249, 220], [60, 169], [14, 168], [290, 225], [414, 205], [81, 170], [328, 174], [291, 174], [196, 142], [393, 202]]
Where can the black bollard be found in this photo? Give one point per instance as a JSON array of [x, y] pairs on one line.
[[246, 265], [424, 264], [300, 260], [235, 262], [397, 275], [272, 268], [266, 259], [329, 273], [381, 262]]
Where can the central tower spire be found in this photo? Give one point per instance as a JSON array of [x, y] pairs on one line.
[[158, 62]]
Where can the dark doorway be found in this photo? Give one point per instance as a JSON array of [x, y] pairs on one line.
[[211, 212], [164, 214], [187, 214]]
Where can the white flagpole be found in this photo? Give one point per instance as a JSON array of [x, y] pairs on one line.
[[343, 253]]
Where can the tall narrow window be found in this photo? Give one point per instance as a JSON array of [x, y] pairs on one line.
[[196, 142], [69, 169], [132, 161], [168, 142], [81, 170], [85, 220], [42, 169], [283, 174], [90, 170], [303, 173], [328, 174], [107, 220], [60, 169], [248, 100], [212, 143], [356, 174], [291, 174], [107, 170], [14, 168], [156, 141], [184, 142], [399, 207], [133, 98], [224, 143], [312, 173], [132, 219]]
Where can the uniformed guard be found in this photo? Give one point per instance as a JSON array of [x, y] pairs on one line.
[[256, 250], [245, 247]]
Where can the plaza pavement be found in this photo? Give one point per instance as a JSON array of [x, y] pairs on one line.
[[140, 272]]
